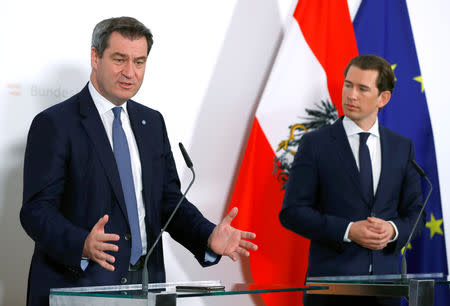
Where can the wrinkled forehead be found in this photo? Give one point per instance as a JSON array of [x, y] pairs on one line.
[[130, 46]]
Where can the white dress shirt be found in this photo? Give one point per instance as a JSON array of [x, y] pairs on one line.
[[373, 142], [104, 108]]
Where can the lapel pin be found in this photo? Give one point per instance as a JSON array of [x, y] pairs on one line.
[[144, 122]]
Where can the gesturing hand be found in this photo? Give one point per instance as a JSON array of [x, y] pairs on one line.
[[229, 241], [95, 245]]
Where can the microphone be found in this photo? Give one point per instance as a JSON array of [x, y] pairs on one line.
[[144, 270], [424, 175], [186, 157]]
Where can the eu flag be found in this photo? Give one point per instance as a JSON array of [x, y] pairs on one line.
[[383, 28]]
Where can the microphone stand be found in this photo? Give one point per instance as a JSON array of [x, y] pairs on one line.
[[422, 174], [144, 269]]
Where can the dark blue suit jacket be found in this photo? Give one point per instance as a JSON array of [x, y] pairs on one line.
[[323, 195], [71, 180]]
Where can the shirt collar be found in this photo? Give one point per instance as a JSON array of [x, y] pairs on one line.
[[351, 128], [102, 104]]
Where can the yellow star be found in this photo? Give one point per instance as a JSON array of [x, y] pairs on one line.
[[393, 68], [420, 80], [409, 248], [434, 226]]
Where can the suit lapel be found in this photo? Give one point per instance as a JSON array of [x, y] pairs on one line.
[[93, 125], [142, 126], [345, 154]]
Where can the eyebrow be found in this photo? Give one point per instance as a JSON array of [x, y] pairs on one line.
[[126, 56], [118, 54], [361, 85]]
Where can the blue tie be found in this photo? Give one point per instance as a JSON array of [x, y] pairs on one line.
[[123, 161], [365, 168]]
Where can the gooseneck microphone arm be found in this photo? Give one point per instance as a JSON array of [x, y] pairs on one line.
[[144, 269], [424, 175]]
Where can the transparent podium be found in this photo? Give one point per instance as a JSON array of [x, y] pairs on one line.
[[417, 288], [163, 294]]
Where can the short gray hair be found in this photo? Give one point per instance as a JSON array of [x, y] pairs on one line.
[[128, 27]]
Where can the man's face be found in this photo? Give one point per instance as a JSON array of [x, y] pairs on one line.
[[118, 75], [360, 97]]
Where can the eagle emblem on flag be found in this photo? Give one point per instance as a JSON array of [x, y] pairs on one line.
[[324, 114]]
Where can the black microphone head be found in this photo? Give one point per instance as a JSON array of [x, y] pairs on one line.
[[186, 157], [417, 167]]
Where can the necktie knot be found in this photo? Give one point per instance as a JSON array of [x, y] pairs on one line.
[[363, 138], [117, 110]]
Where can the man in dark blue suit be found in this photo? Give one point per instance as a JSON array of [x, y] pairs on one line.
[[100, 180], [352, 189]]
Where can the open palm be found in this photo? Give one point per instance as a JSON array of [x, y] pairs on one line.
[[229, 241]]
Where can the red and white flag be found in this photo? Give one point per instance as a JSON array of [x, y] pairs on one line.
[[307, 75]]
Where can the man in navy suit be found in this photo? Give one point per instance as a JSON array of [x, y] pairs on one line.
[[88, 158], [352, 189]]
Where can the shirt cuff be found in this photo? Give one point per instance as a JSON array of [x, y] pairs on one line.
[[396, 232], [210, 256], [346, 232], [84, 263]]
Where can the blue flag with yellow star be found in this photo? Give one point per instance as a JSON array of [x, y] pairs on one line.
[[383, 28]]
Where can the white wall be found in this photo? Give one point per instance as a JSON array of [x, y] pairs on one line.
[[206, 72]]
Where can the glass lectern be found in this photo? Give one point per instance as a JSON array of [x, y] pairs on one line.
[[162, 294], [417, 288]]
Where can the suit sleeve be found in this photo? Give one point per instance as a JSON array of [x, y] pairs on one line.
[[410, 203], [188, 226], [44, 180], [300, 212]]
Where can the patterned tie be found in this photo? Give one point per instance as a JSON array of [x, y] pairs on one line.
[[123, 161], [365, 168]]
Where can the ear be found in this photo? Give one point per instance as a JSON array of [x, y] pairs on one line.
[[94, 58], [384, 98]]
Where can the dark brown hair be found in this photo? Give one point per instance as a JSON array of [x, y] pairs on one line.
[[386, 77]]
